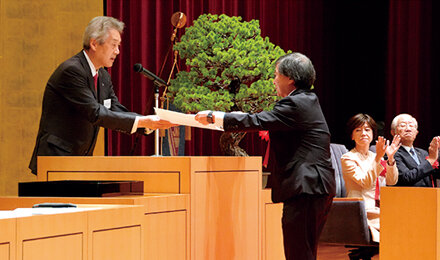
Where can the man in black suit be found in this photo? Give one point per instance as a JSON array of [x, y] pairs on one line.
[[76, 103], [303, 178], [416, 166]]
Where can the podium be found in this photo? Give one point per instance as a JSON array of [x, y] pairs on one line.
[[410, 223], [225, 210]]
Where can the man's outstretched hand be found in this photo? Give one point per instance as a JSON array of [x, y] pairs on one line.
[[154, 122]]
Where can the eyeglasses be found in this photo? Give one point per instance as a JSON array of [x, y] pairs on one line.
[[404, 125]]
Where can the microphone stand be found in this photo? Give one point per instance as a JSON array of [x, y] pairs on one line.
[[156, 134], [179, 23], [178, 20]]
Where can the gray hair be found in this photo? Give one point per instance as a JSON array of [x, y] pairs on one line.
[[98, 29], [298, 67], [398, 117]]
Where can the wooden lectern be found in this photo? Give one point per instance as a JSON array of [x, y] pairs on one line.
[[225, 209], [410, 223]]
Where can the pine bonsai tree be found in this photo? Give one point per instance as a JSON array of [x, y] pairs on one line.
[[231, 68]]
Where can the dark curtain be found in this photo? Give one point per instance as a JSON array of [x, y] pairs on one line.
[[146, 40], [413, 67], [373, 57]]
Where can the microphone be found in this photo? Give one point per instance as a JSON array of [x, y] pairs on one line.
[[150, 75]]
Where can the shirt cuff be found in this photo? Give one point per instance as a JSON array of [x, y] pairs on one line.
[[135, 127], [218, 119]]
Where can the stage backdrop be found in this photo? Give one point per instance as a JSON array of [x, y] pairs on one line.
[[375, 57], [35, 37]]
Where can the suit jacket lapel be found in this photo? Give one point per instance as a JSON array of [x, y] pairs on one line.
[[408, 158], [419, 156], [86, 67], [98, 89], [427, 179]]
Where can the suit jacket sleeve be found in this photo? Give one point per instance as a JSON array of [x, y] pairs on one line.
[[392, 174], [409, 172], [286, 115], [75, 88], [352, 170]]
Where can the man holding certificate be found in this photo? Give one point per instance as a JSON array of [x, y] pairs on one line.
[[303, 177]]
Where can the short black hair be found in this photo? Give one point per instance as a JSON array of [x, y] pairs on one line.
[[298, 67], [359, 120]]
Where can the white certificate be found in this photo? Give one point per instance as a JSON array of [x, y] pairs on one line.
[[183, 119]]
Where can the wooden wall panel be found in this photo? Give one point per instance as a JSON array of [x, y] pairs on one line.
[[225, 220], [410, 218], [35, 36], [46, 236], [118, 243], [5, 251], [54, 248], [8, 239], [166, 234], [272, 238]]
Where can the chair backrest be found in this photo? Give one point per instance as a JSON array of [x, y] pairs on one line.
[[337, 150], [347, 223]]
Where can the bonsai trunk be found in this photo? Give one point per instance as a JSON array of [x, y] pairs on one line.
[[229, 144]]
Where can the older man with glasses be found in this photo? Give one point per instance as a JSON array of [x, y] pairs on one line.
[[416, 166]]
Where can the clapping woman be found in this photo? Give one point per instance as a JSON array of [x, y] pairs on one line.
[[365, 171]]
